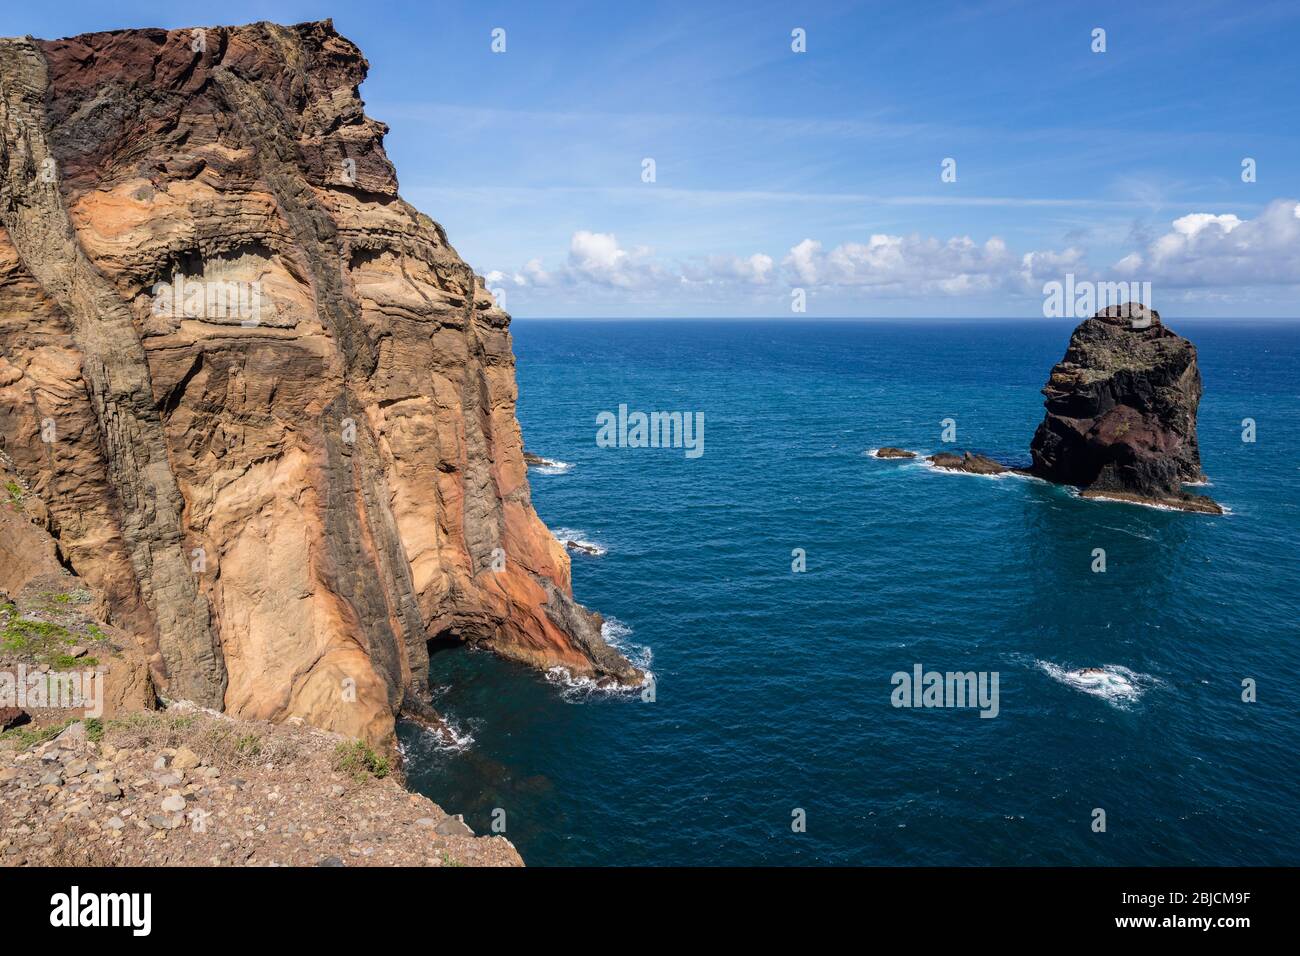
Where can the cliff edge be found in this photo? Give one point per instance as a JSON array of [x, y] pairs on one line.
[[268, 409]]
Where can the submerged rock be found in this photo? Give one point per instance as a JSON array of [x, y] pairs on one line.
[[1121, 412], [890, 452]]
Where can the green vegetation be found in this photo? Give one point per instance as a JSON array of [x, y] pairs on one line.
[[94, 729], [42, 640], [359, 761], [66, 662], [31, 736], [15, 492], [249, 746]]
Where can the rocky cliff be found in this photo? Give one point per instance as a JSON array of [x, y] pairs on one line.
[[268, 408], [1121, 412]]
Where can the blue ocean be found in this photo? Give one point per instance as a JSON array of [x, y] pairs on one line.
[[772, 738]]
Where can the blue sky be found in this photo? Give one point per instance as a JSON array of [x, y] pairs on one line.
[[820, 170]]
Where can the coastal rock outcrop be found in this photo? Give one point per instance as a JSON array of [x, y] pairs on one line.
[[970, 463], [268, 409], [1121, 412]]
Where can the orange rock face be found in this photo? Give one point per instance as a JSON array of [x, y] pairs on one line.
[[270, 410]]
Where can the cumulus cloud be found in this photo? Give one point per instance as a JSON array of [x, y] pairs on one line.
[[1199, 250], [1204, 249], [904, 264], [597, 259]]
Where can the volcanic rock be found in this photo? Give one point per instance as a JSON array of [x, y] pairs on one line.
[[967, 462], [1121, 412], [893, 453], [270, 410]]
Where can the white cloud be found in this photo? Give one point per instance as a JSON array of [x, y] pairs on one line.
[[1200, 251], [1204, 249], [905, 265]]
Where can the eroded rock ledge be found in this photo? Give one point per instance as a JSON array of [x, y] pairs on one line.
[[279, 512]]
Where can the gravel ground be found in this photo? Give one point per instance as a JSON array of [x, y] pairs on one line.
[[186, 787]]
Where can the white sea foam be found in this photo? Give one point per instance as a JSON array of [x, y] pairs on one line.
[[584, 545], [1148, 504], [574, 689], [450, 737], [551, 466], [926, 463], [1113, 683]]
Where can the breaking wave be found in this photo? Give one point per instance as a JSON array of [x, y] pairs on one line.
[[1117, 685], [577, 689], [578, 543], [551, 466]]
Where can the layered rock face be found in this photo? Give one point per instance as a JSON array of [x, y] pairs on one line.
[[1121, 412], [269, 409]]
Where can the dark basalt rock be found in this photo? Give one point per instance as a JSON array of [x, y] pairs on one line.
[[13, 717], [890, 452], [971, 464], [1121, 412]]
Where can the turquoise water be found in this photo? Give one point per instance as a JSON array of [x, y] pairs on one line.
[[773, 688]]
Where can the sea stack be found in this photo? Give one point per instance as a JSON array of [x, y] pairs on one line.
[[1121, 412], [270, 410]]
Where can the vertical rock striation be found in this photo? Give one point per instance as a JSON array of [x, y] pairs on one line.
[[285, 500], [1121, 412]]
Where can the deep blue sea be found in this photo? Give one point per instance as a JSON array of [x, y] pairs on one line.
[[773, 688]]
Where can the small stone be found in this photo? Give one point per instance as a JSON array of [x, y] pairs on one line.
[[162, 762], [426, 822], [78, 650], [453, 826], [170, 780], [331, 861], [110, 791], [161, 821], [174, 804], [51, 779], [185, 759], [75, 768], [72, 735], [7, 774], [337, 790], [116, 823]]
